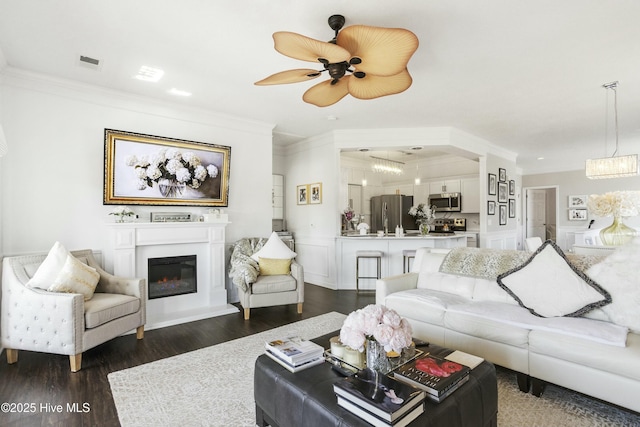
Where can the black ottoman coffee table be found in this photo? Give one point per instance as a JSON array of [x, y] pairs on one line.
[[306, 398]]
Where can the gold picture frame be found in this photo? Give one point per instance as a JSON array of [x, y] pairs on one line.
[[153, 170], [315, 193]]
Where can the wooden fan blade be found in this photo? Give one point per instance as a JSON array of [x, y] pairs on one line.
[[289, 76], [373, 86], [384, 51], [308, 49], [325, 94]]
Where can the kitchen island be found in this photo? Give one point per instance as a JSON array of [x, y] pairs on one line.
[[391, 247]]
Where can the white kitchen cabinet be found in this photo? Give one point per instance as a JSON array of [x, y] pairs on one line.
[[446, 186], [470, 192]]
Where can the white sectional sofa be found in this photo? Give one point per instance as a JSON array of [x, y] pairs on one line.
[[569, 320]]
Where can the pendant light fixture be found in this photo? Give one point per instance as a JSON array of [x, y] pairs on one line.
[[614, 166], [387, 166]]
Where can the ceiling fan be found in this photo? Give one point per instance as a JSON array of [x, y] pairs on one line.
[[365, 62]]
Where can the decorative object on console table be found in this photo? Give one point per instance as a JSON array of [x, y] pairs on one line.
[[153, 170], [618, 204], [437, 376], [385, 398]]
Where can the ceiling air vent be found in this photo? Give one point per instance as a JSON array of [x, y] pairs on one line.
[[88, 62]]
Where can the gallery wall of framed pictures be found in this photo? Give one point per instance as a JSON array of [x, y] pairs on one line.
[[577, 206], [503, 190]]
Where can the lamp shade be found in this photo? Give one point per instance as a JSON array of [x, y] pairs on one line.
[[612, 167]]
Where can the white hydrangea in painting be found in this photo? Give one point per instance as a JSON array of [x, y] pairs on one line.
[[171, 169]]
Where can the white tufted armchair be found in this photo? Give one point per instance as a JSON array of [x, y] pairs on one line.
[[63, 323]]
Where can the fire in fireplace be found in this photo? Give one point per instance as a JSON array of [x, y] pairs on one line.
[[171, 276]]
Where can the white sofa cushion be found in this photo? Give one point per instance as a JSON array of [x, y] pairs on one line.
[[50, 267], [618, 274], [514, 315], [623, 361], [459, 318], [424, 305], [103, 308], [547, 285], [459, 285]]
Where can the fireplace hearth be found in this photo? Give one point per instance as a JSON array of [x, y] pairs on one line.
[[172, 276]]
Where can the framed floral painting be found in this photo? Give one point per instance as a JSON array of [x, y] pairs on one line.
[[152, 170]]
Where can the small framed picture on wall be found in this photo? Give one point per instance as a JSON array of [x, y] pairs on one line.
[[512, 208], [503, 214], [512, 188], [502, 175], [491, 207], [577, 202], [492, 184], [502, 192], [302, 194], [577, 214]]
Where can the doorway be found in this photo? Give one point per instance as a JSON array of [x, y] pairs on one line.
[[541, 212]]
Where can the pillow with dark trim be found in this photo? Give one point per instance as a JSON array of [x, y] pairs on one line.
[[549, 286]]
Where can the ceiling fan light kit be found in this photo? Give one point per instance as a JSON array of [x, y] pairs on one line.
[[614, 166], [361, 61]]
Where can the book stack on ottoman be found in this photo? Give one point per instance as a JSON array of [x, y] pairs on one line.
[[295, 353], [378, 399]]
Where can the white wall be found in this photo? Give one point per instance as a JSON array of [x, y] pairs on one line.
[[52, 178]]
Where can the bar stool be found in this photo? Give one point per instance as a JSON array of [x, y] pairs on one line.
[[377, 255], [407, 254]]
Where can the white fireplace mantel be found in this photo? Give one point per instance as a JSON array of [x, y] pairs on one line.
[[130, 245]]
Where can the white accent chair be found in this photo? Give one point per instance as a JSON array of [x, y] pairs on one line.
[[533, 243], [64, 323]]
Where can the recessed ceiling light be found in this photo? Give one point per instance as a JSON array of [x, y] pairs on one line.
[[178, 92], [540, 158], [363, 149], [417, 147], [332, 118], [149, 74]]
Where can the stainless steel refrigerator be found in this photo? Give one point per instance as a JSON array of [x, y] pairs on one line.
[[393, 208]]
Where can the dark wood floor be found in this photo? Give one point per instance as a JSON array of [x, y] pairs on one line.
[[38, 379]]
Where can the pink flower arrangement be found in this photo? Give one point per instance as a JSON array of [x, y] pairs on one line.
[[379, 323]]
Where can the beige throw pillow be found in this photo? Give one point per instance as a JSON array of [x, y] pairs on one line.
[[273, 267], [76, 278]]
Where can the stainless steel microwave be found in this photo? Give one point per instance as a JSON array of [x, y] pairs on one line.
[[446, 202]]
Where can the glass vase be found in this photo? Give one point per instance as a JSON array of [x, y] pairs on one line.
[[424, 228], [376, 357], [170, 188], [617, 233]]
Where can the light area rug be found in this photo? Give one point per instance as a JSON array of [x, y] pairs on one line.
[[213, 386]]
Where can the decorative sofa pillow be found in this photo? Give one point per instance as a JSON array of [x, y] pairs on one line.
[[274, 249], [274, 267], [50, 267], [76, 278], [549, 286], [618, 274]]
